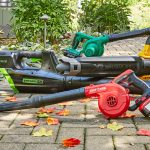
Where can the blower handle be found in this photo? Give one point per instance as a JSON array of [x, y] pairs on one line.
[[130, 78], [28, 54], [130, 34]]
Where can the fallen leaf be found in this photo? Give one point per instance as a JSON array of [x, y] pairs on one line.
[[98, 110], [71, 142], [46, 110], [84, 100], [143, 132], [102, 126], [43, 132], [128, 115], [30, 123], [11, 99], [64, 112], [1, 32], [52, 121], [66, 104], [43, 115], [114, 126], [132, 144]]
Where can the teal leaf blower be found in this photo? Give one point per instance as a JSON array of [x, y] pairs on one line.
[[94, 46]]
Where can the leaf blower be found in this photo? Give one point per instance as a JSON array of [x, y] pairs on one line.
[[39, 81], [15, 59], [94, 46], [106, 66], [27, 79], [113, 99]]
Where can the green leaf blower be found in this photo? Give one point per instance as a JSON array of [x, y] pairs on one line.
[[94, 46]]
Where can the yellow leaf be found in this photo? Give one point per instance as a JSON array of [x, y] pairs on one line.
[[43, 132], [42, 115], [114, 126]]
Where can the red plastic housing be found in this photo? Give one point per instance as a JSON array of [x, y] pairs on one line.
[[113, 99], [145, 108]]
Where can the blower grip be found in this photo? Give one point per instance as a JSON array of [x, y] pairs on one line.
[[28, 54], [129, 77], [130, 34], [137, 82]]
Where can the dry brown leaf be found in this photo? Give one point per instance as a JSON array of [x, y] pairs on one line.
[[52, 121], [64, 112], [11, 98], [30, 123]]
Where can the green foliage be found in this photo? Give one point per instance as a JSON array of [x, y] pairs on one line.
[[72, 4], [140, 14], [28, 25], [134, 2], [105, 16]]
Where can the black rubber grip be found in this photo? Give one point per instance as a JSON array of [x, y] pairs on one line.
[[138, 82], [39, 101], [130, 34], [28, 54]]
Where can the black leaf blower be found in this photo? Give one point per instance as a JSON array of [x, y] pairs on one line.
[[106, 66]]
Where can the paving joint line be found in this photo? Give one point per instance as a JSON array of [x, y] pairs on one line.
[[85, 112], [35, 126], [84, 141], [113, 141], [24, 146], [134, 124], [146, 147], [14, 119], [57, 135]]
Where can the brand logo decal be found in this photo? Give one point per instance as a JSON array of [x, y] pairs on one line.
[[32, 81]]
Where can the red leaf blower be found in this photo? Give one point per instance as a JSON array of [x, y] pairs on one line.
[[113, 99]]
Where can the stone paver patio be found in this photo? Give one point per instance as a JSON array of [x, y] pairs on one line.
[[82, 123]]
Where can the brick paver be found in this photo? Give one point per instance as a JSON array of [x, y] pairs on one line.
[[82, 123]]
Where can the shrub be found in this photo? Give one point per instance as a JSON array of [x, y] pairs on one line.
[[105, 16], [28, 25]]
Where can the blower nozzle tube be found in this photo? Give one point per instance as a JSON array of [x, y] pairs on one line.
[[106, 66], [130, 34], [39, 101]]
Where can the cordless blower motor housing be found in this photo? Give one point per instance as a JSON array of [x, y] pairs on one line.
[[113, 99]]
